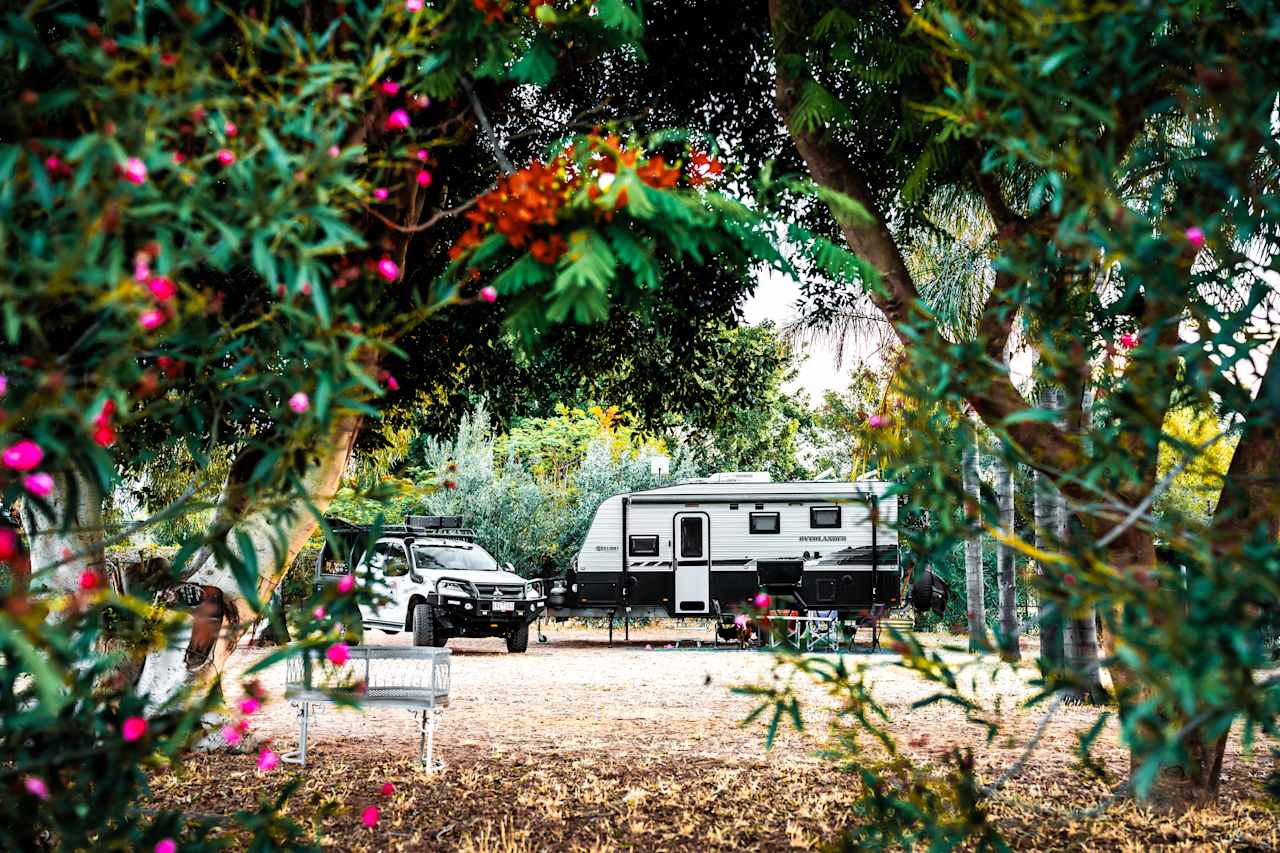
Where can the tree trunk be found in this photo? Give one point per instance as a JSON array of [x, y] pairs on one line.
[[1006, 574], [275, 535], [1048, 538], [65, 535], [1080, 643], [975, 595]]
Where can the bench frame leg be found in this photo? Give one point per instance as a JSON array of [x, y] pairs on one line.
[[299, 756], [427, 740]]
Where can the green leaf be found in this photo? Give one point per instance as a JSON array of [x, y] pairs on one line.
[[620, 16], [537, 66], [49, 685]]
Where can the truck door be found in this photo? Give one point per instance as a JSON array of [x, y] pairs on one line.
[[691, 559], [389, 564]]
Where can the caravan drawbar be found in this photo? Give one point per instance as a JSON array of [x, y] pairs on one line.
[[704, 548]]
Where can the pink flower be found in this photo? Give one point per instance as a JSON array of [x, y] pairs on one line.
[[300, 402], [740, 621], [134, 171], [88, 579], [489, 294], [388, 789], [226, 156], [230, 128], [179, 158], [346, 584], [761, 600], [319, 613], [413, 5], [36, 787], [230, 735], [52, 163], [387, 269], [422, 154], [1128, 340], [334, 151], [166, 845], [380, 193], [267, 761], [389, 87], [23, 456], [369, 816], [4, 384], [338, 654], [104, 435], [141, 269], [398, 120], [424, 178], [133, 729], [162, 288], [8, 543], [1195, 236], [392, 384], [877, 421], [249, 706], [151, 319]]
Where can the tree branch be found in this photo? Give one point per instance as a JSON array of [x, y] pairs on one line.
[[483, 118]]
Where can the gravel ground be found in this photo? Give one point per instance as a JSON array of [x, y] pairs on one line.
[[576, 745]]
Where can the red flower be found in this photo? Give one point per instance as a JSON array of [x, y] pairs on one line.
[[104, 436], [8, 543], [133, 729]]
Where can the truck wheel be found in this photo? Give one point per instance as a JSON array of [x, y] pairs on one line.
[[424, 626], [518, 640]]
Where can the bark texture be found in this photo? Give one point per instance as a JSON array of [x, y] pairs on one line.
[[975, 594], [1006, 571], [65, 534], [275, 535], [1048, 533]]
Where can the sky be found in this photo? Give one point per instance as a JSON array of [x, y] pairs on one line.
[[774, 299]]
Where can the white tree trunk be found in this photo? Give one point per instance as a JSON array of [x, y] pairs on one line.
[[66, 535], [1048, 529], [1080, 636], [975, 595], [275, 536], [1006, 573]]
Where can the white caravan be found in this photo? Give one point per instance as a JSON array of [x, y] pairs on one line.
[[706, 547]]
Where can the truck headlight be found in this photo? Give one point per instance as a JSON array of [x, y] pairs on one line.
[[533, 589], [452, 588]]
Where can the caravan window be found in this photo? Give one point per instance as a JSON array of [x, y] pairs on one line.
[[643, 546], [765, 522], [824, 516], [691, 536]]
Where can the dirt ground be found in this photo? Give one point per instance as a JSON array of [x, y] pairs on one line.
[[579, 746]]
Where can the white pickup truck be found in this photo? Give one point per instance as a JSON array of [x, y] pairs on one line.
[[438, 583]]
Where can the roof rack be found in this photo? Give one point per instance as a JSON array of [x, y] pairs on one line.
[[444, 526]]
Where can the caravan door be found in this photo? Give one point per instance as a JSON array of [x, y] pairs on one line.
[[692, 562]]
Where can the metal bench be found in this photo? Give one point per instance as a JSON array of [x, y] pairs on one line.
[[416, 679]]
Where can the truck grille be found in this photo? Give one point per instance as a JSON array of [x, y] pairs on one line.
[[508, 590]]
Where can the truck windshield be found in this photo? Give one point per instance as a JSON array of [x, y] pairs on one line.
[[437, 557]]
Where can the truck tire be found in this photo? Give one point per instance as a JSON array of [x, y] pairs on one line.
[[518, 640], [424, 626]]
